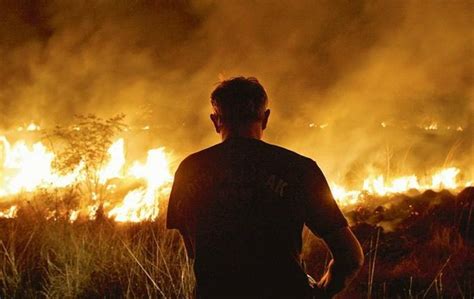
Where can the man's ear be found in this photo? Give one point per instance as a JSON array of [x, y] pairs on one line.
[[216, 121], [265, 119]]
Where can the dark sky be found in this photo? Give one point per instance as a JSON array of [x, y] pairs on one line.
[[349, 64]]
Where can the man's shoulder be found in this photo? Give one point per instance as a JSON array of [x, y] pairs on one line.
[[284, 153], [196, 157]]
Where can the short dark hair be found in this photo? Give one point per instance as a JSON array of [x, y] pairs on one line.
[[239, 101]]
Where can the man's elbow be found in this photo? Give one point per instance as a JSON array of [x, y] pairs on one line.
[[349, 265], [358, 261], [347, 251]]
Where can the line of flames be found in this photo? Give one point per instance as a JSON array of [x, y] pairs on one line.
[[443, 179], [25, 168]]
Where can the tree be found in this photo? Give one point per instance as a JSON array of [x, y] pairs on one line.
[[83, 147]]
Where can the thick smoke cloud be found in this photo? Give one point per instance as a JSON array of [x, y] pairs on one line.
[[350, 65]]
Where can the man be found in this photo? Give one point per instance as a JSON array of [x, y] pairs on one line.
[[241, 205]]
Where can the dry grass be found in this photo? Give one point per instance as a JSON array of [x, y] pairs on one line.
[[91, 259], [430, 256]]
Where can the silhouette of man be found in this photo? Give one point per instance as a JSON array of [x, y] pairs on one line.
[[240, 207]]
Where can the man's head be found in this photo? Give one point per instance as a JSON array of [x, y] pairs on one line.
[[240, 107]]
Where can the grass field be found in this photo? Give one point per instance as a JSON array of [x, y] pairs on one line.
[[416, 247]]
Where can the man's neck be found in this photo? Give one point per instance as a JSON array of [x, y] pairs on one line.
[[253, 131]]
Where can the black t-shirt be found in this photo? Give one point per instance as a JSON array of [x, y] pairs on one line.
[[243, 203]]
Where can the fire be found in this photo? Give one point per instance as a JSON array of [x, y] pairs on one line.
[[432, 126], [27, 168], [116, 163], [378, 185], [9, 213], [140, 204], [33, 127], [445, 178]]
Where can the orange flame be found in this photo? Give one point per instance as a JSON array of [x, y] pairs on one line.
[[445, 178], [26, 168]]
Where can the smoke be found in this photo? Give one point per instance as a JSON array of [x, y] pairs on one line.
[[334, 71]]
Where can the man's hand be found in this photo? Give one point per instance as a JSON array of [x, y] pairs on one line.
[[317, 291], [327, 277]]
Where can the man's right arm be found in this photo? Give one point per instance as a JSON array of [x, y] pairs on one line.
[[178, 209]]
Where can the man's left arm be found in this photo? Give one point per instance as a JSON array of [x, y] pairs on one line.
[[325, 219], [347, 259]]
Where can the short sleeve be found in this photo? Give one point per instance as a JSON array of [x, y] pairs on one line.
[[322, 215], [176, 214]]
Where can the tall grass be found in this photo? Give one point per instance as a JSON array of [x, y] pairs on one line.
[[91, 259]]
